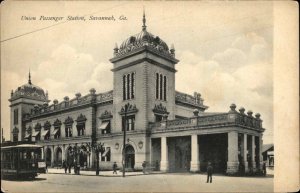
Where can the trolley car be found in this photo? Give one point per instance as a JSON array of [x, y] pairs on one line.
[[25, 160]]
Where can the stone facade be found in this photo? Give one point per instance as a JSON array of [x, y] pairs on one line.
[[170, 130]]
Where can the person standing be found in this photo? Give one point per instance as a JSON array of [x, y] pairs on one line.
[[65, 166], [264, 169], [115, 168], [144, 167], [209, 172]]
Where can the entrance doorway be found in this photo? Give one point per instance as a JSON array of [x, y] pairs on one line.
[[129, 157], [48, 156], [58, 157], [213, 148], [179, 152]]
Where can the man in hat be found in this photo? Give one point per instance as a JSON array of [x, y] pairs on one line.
[[209, 172]]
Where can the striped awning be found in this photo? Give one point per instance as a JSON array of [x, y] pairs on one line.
[[55, 131], [27, 136], [103, 125], [106, 152], [35, 133], [44, 133]]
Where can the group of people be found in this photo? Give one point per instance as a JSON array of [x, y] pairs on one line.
[[67, 166]]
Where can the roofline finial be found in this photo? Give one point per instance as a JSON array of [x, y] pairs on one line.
[[29, 77], [144, 20]]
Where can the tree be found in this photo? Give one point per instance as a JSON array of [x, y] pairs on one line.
[[98, 148]]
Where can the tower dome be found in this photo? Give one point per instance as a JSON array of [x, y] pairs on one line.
[[29, 90], [144, 38]]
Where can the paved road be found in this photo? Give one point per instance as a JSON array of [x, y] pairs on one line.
[[139, 183]]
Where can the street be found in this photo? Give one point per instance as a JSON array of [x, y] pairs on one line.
[[57, 181]]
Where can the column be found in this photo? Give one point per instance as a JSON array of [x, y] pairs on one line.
[[195, 164], [245, 152], [164, 163], [63, 156], [52, 156], [260, 152], [253, 153], [233, 162]]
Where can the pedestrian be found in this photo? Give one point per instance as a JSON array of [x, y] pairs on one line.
[[65, 166], [69, 167], [264, 169], [115, 168], [46, 167], [209, 173], [144, 167]]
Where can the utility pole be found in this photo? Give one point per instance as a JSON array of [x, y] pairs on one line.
[[124, 139]]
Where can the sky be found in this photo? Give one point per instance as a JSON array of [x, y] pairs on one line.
[[225, 49]]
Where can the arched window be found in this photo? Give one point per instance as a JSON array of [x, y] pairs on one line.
[[165, 88], [157, 86], [160, 86], [129, 86], [132, 85], [124, 87]]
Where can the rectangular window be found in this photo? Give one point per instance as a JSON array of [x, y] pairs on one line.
[[80, 129], [107, 127], [130, 123], [69, 131], [15, 137], [57, 133], [16, 116]]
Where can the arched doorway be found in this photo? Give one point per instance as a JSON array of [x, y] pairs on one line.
[[83, 156], [58, 157], [69, 156], [48, 156], [129, 157]]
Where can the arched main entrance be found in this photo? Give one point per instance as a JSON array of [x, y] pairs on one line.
[[129, 157], [48, 156], [58, 157]]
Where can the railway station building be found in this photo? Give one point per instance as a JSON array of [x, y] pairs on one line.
[[165, 127]]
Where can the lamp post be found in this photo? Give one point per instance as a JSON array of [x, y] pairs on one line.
[[124, 138]]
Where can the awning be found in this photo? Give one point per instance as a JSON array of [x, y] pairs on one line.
[[103, 125], [44, 133], [35, 133], [270, 152], [106, 152], [55, 131], [27, 136]]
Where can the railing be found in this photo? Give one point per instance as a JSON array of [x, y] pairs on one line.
[[236, 119], [102, 97], [189, 99]]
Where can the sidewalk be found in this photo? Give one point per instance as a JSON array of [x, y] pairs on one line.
[[93, 173]]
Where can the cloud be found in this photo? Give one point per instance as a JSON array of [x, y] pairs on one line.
[[69, 71], [241, 74], [231, 59]]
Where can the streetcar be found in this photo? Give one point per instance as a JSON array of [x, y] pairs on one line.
[[24, 160]]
